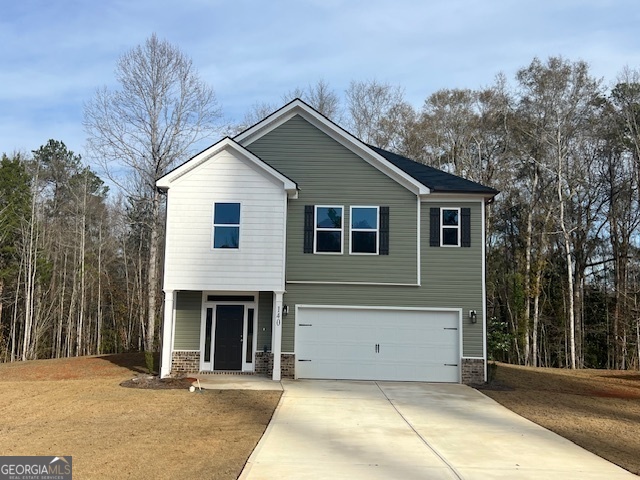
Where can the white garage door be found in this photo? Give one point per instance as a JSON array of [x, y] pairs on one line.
[[377, 344]]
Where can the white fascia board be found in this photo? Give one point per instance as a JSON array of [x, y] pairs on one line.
[[298, 107], [453, 197], [385, 307], [227, 144]]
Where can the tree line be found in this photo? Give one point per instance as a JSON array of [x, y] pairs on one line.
[[80, 266]]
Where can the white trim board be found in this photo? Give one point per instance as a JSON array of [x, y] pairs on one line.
[[312, 282], [228, 144]]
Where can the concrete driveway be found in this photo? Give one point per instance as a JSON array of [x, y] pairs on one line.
[[352, 430]]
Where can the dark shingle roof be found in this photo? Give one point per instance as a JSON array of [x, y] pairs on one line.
[[436, 180]]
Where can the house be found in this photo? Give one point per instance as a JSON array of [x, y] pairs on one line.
[[294, 249]]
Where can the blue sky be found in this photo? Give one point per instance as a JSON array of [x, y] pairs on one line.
[[55, 54]]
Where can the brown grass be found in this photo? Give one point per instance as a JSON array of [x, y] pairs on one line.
[[596, 409], [76, 407]]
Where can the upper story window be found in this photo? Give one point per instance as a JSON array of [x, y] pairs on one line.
[[364, 230], [226, 225], [328, 229], [323, 227], [450, 227]]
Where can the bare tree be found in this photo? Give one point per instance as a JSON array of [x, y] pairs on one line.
[[321, 97], [369, 103], [142, 129], [560, 97], [256, 112]]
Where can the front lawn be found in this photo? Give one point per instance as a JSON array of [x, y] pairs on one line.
[[596, 409], [77, 407]]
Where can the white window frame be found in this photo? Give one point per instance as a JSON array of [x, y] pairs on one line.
[[369, 230], [317, 229], [449, 227], [213, 230]]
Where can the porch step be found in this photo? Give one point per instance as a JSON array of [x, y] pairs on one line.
[[226, 372]]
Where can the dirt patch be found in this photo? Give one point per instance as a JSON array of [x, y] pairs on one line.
[[77, 407], [157, 383], [598, 410]]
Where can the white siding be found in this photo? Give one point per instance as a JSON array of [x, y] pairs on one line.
[[191, 263]]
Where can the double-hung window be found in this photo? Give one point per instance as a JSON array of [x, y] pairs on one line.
[[226, 225], [328, 229], [450, 227], [365, 230]]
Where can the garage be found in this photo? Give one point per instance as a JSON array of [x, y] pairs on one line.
[[385, 343]]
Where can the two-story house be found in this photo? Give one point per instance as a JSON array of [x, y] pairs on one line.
[[295, 249]]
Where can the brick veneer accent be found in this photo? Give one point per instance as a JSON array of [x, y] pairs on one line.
[[288, 365], [264, 364], [189, 362], [184, 362], [472, 371]]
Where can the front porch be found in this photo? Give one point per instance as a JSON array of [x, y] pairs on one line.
[[211, 332]]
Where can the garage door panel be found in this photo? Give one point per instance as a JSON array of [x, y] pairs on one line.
[[377, 344]]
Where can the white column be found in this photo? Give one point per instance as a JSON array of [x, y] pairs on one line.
[[167, 334], [276, 334]]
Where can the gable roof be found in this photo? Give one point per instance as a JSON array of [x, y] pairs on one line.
[[437, 180], [227, 144], [339, 134], [417, 177]]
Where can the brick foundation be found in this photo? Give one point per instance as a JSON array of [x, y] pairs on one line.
[[189, 362], [264, 364], [472, 371], [184, 362]]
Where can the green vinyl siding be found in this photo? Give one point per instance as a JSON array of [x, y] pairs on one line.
[[265, 311], [327, 173], [451, 278], [188, 315]]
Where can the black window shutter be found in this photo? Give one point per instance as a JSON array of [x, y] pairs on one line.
[[434, 227], [384, 230], [308, 229], [465, 227]]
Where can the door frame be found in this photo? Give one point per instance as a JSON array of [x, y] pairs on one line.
[[206, 304]]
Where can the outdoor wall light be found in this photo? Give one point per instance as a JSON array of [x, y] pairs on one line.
[[473, 316], [285, 310]]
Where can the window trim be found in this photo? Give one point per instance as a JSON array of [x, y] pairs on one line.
[[214, 225], [457, 227], [376, 230], [317, 229]]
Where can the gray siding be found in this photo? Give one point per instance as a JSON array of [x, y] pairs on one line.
[[327, 173], [188, 315], [265, 311], [451, 278]]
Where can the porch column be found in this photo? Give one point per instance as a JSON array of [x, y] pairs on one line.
[[167, 334], [276, 334]]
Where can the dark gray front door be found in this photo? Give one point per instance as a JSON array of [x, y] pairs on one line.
[[228, 337]]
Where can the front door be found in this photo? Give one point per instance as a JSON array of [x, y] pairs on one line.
[[228, 337]]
